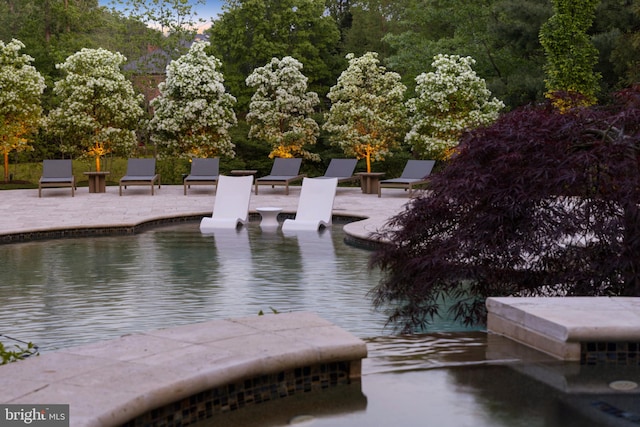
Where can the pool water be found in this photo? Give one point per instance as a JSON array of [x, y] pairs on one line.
[[456, 379], [63, 293]]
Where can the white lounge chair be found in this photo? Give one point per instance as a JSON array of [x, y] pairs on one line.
[[315, 206], [416, 172], [231, 206], [283, 172], [57, 173], [203, 172]]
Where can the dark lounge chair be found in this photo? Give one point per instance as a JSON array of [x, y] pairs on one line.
[[203, 172], [342, 169], [415, 173], [140, 172], [283, 172], [57, 173]]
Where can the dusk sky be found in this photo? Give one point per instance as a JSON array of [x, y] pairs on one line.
[[211, 9]]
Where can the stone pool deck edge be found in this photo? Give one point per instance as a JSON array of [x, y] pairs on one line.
[[109, 383], [561, 326], [24, 216]]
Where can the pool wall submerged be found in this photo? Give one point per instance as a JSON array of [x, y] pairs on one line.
[[182, 375]]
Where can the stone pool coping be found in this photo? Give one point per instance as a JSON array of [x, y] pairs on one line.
[[565, 327], [109, 383]]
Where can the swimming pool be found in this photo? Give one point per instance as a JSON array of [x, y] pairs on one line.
[[62, 293]]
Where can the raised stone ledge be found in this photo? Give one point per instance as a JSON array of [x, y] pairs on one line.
[[109, 383], [558, 326]]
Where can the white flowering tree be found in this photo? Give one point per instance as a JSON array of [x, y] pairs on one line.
[[193, 113], [450, 100], [280, 108], [21, 87], [99, 110], [368, 117]]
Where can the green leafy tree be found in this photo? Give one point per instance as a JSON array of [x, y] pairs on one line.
[[612, 33], [193, 113], [50, 29], [99, 110], [175, 19], [251, 32], [501, 35], [450, 100], [21, 88], [340, 11], [570, 53], [170, 16], [431, 27], [280, 109], [371, 20], [368, 118]]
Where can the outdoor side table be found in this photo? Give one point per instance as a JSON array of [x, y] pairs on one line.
[[97, 181], [369, 181], [269, 216]]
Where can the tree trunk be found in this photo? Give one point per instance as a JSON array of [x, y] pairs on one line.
[[6, 166]]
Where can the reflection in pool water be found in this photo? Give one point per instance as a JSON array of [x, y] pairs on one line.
[[63, 293]]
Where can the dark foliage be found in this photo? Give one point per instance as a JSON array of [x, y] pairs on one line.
[[540, 203]]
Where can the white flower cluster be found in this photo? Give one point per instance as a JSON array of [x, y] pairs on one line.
[[450, 100], [367, 115], [279, 109], [97, 103], [21, 87], [193, 113]]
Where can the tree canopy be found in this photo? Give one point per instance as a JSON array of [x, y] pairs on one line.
[[251, 32], [571, 56], [21, 87], [281, 107], [367, 118], [194, 112], [450, 100], [539, 203], [99, 111]]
